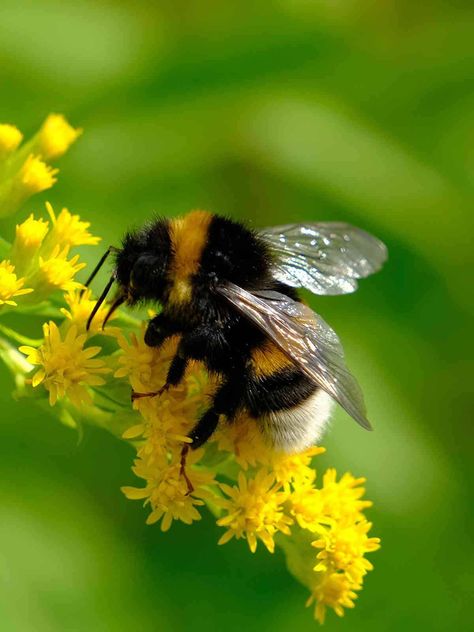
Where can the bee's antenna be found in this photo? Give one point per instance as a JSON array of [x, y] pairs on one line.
[[109, 250], [100, 300], [118, 301]]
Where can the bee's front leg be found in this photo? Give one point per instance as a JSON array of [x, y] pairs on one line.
[[159, 329], [175, 374]]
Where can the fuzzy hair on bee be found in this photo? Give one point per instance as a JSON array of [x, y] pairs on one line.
[[230, 294]]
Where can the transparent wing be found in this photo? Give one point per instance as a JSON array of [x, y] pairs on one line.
[[326, 258], [306, 339]]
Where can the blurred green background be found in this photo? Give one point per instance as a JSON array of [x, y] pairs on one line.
[[359, 111]]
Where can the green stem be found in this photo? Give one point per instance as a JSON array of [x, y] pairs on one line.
[[17, 337], [5, 247]]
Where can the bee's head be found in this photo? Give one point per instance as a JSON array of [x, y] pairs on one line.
[[140, 267], [141, 264]]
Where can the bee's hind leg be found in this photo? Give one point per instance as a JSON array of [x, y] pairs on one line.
[[182, 469], [225, 402]]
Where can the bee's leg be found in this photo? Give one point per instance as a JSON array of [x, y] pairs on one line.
[[182, 470], [175, 375], [159, 329], [225, 402]]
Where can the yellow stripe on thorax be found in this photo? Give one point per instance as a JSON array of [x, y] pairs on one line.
[[268, 359], [188, 237]]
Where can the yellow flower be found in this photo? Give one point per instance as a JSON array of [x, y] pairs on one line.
[[31, 232], [146, 369], [69, 229], [295, 468], [55, 137], [343, 548], [35, 176], [307, 506], [335, 501], [10, 285], [32, 177], [28, 239], [67, 369], [341, 500], [57, 271], [10, 138], [244, 441], [254, 510], [143, 365], [336, 591], [167, 490], [80, 308]]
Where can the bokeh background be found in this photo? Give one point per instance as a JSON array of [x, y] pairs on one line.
[[273, 111]]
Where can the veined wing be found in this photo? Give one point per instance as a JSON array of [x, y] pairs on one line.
[[326, 258], [306, 339]]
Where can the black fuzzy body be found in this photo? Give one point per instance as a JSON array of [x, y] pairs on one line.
[[211, 330]]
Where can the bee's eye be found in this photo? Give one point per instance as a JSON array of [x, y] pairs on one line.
[[144, 272]]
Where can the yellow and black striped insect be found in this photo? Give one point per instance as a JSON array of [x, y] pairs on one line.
[[229, 293]]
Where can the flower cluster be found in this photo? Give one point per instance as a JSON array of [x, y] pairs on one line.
[[255, 494], [24, 168]]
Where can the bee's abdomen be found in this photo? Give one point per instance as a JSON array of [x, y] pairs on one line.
[[289, 408], [283, 389]]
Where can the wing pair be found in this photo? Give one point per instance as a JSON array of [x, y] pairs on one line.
[[326, 258]]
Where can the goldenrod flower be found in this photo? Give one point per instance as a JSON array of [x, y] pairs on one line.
[[334, 590], [254, 510], [67, 368], [10, 138], [341, 500], [55, 137], [244, 441], [295, 468], [28, 239], [80, 308], [306, 506], [10, 285], [343, 549], [144, 367], [69, 230], [35, 176], [167, 490], [31, 232], [57, 271]]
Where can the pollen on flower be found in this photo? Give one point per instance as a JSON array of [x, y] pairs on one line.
[[56, 136], [10, 138], [254, 510], [57, 271], [69, 229], [10, 284], [66, 367], [35, 176]]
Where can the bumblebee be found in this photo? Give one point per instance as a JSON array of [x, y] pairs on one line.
[[230, 294]]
